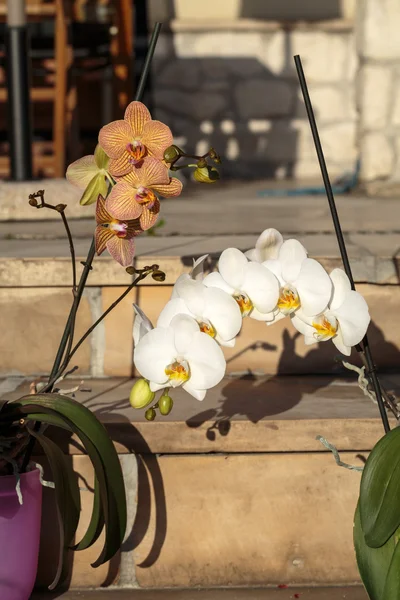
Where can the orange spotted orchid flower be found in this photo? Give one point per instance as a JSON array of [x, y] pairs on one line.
[[134, 196], [127, 142], [117, 236]]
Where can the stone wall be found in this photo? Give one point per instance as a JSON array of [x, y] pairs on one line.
[[378, 93], [233, 85]]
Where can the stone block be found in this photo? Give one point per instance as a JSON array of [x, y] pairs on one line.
[[249, 520], [208, 9], [376, 156], [375, 82], [263, 98], [330, 103], [379, 25], [325, 56], [340, 143], [395, 116], [200, 105], [222, 44], [118, 352], [33, 322]]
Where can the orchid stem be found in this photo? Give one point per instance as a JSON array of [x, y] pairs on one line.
[[364, 345]]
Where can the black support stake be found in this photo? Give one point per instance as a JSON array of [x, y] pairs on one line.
[[371, 373], [18, 88]]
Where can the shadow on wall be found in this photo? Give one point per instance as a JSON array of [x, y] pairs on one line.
[[236, 105]]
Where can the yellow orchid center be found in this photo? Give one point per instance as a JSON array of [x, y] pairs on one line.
[[136, 151], [145, 196], [325, 328], [178, 372], [208, 328], [118, 228], [289, 300], [244, 303]]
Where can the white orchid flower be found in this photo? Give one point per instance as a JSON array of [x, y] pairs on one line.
[[345, 321], [141, 324], [180, 355], [267, 246], [215, 311], [255, 288], [304, 282]]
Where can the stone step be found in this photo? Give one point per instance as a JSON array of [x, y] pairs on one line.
[[319, 593], [235, 491]]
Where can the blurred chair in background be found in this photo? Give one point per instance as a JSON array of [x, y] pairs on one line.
[[81, 54]]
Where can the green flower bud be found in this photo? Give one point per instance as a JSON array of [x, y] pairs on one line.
[[172, 153], [141, 394], [150, 414], [214, 156], [158, 275], [165, 404], [206, 174]]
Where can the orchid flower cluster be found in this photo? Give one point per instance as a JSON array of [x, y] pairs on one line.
[[274, 280], [127, 174]]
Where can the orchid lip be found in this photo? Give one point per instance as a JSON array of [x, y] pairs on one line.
[[244, 303], [207, 327], [145, 196], [325, 328], [178, 372], [289, 300], [136, 151]]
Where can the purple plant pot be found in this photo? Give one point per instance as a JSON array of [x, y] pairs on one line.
[[19, 535]]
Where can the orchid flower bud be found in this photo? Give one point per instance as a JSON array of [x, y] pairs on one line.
[[206, 174], [141, 394]]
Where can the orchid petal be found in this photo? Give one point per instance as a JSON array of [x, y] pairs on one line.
[[197, 394], [261, 286], [260, 316], [149, 216], [197, 271], [278, 316], [267, 246], [353, 317], [151, 172], [233, 266], [137, 115], [206, 360], [175, 306], [81, 172], [314, 287], [155, 387], [115, 137], [154, 352], [121, 203], [291, 256], [102, 235], [340, 345], [157, 137], [223, 312], [216, 280], [341, 286], [275, 267], [102, 215], [101, 158], [169, 190], [122, 250], [141, 324], [98, 186], [119, 167], [184, 328], [226, 343], [192, 292], [302, 326]]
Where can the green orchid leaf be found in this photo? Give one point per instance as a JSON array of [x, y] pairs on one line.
[[391, 590], [98, 185], [380, 491], [102, 453], [96, 524], [373, 563], [68, 501], [101, 158]]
